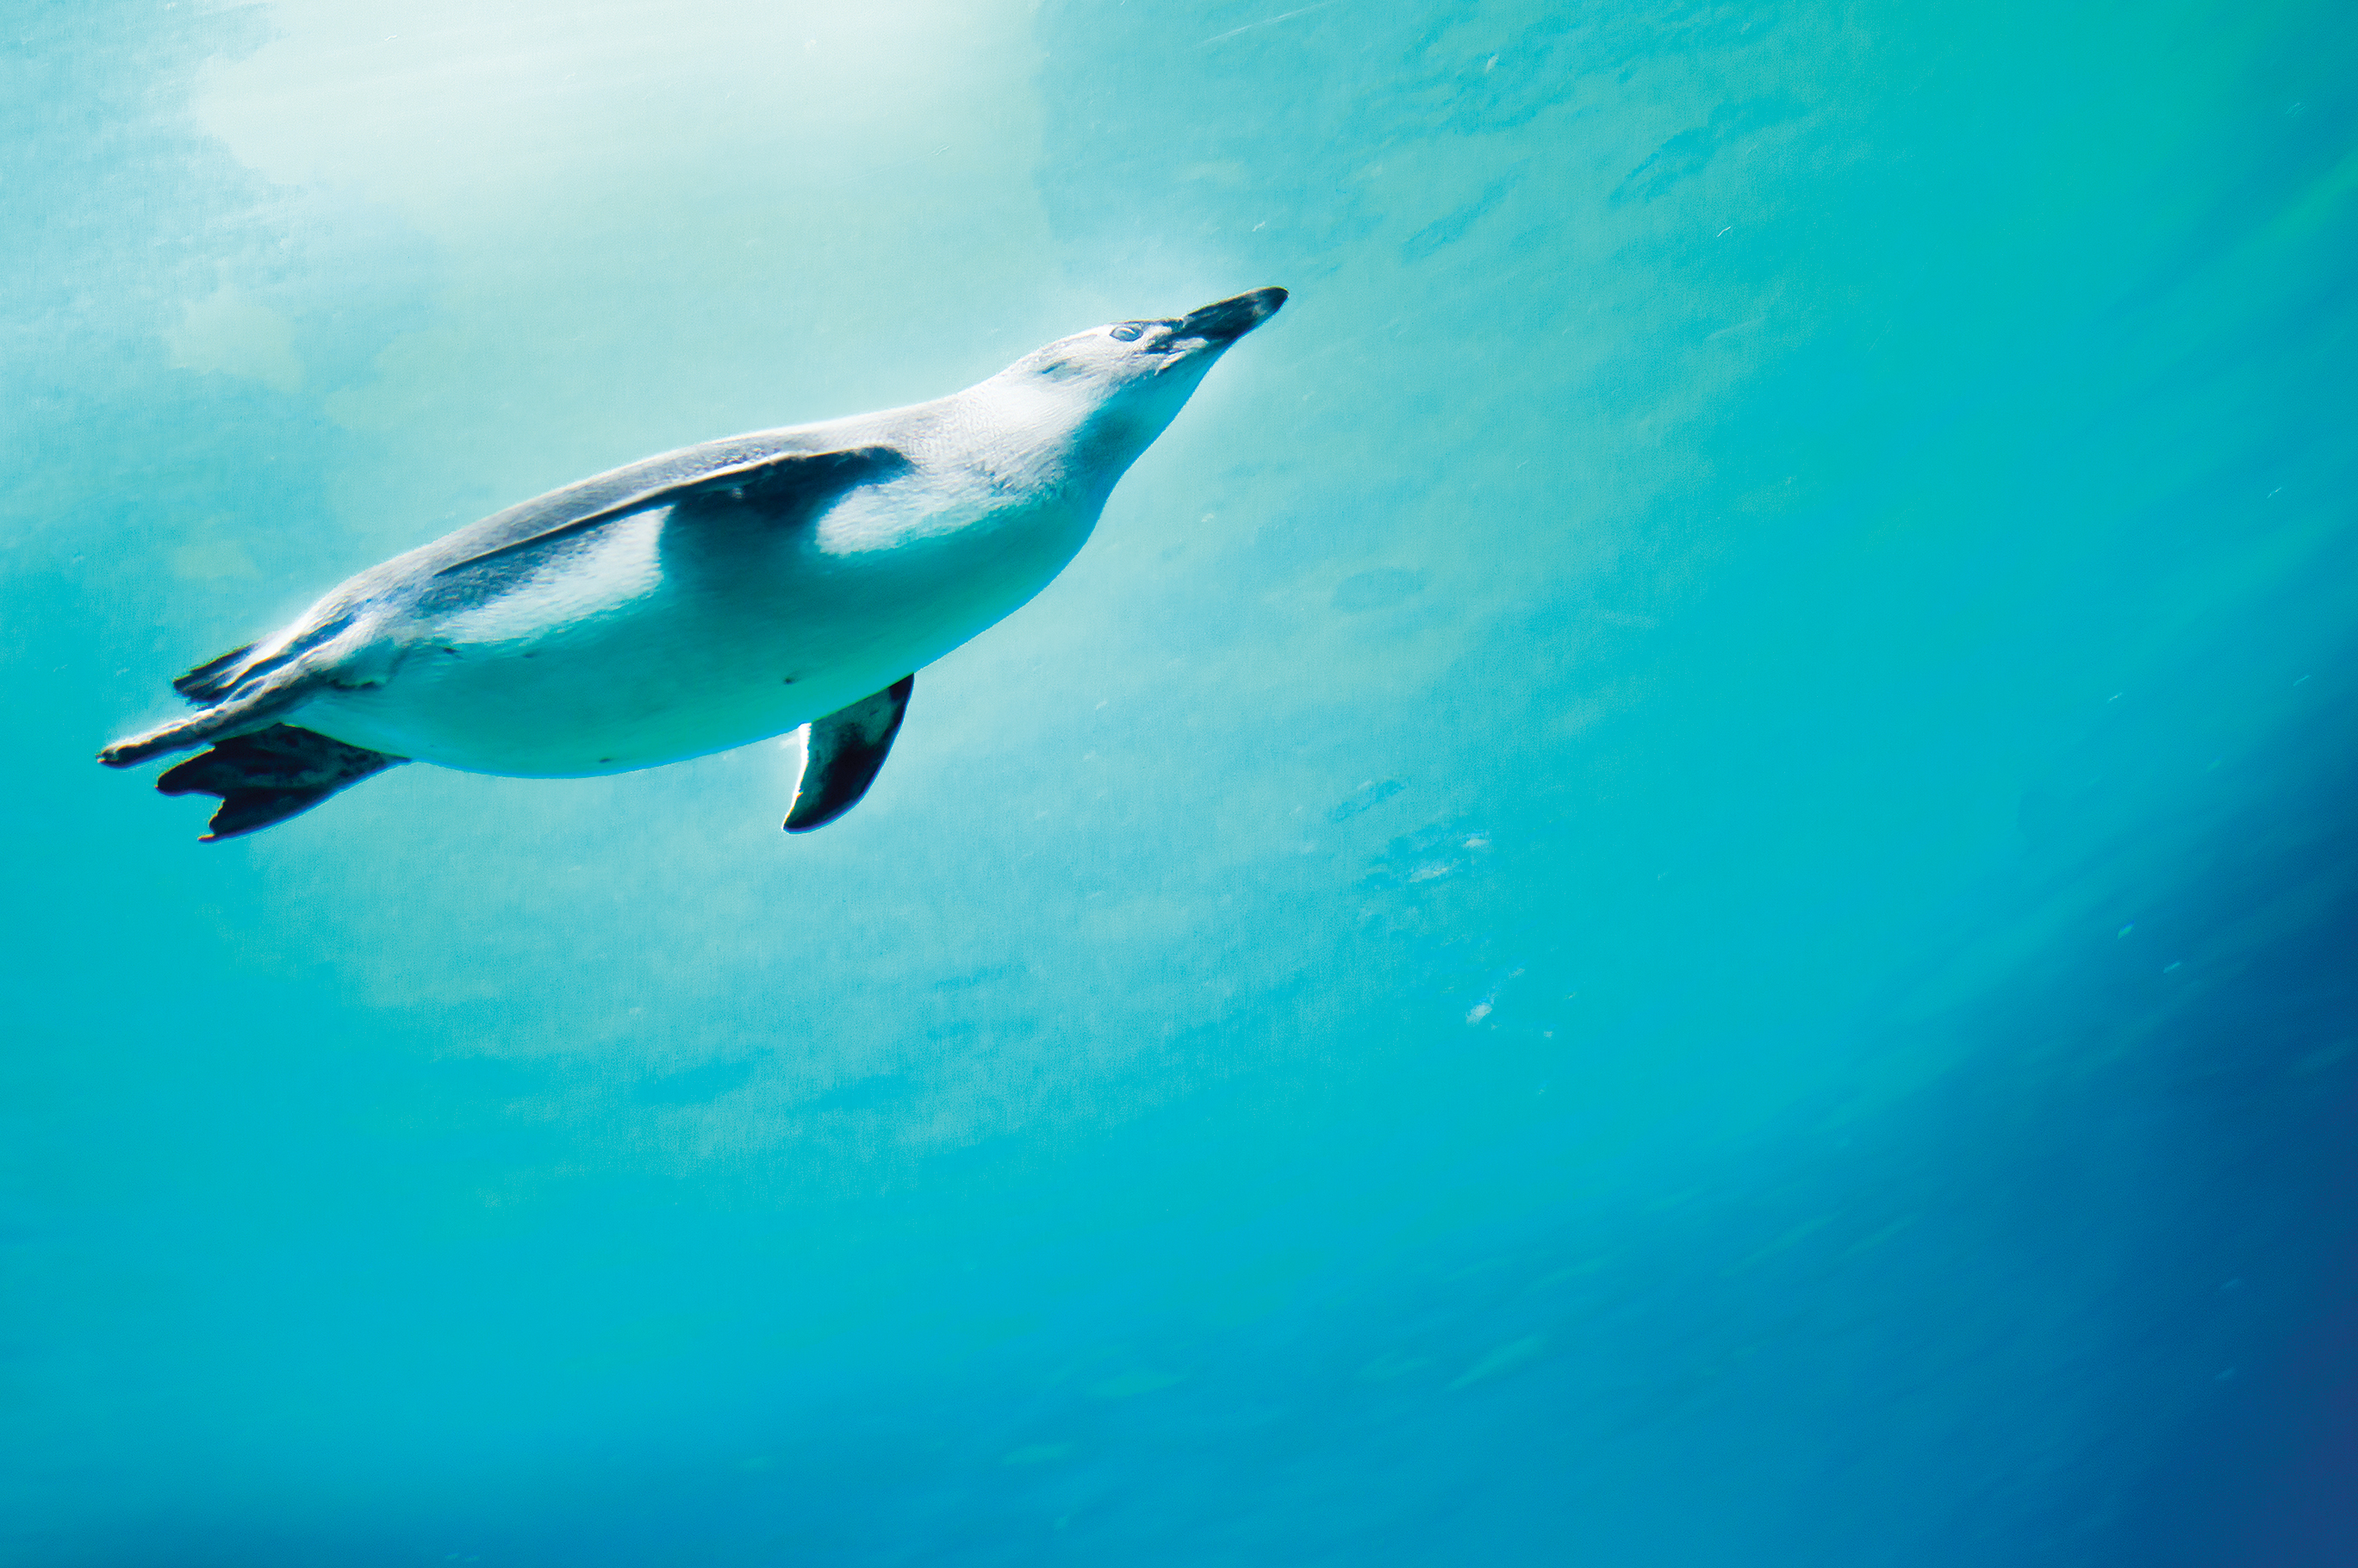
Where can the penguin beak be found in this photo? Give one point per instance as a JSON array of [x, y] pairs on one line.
[[1225, 322]]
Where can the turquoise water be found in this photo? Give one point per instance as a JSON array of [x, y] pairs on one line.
[[1677, 885]]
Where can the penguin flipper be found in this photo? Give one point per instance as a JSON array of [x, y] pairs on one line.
[[841, 753], [268, 775], [780, 483]]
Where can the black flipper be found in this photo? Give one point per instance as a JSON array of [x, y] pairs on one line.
[[270, 775], [841, 753], [791, 483]]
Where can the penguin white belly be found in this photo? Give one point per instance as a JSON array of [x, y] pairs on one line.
[[659, 638]]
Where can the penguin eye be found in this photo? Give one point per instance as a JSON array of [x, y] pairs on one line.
[[1127, 332]]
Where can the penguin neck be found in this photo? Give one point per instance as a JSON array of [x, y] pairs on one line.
[[1049, 438]]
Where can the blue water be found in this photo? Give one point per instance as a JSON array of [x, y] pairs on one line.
[[1677, 887]]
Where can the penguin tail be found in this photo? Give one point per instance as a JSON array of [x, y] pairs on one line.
[[215, 679], [259, 698], [265, 776]]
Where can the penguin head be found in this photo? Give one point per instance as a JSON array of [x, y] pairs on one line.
[[1124, 382]]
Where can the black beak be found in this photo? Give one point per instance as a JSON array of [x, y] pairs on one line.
[[1229, 320]]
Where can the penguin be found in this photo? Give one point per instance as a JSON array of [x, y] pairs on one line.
[[705, 599]]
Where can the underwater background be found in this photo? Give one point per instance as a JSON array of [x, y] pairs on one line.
[[1678, 885]]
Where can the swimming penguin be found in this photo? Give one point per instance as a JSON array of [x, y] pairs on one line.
[[700, 599]]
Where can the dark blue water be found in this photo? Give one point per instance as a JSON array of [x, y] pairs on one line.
[[1678, 885]]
